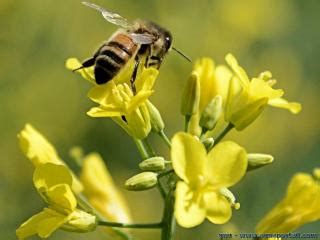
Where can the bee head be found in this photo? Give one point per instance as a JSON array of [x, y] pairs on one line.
[[167, 40]]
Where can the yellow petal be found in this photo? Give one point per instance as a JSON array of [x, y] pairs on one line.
[[139, 122], [204, 69], [145, 80], [218, 208], [105, 112], [293, 107], [43, 224], [261, 89], [187, 211], [188, 157], [86, 73], [248, 114], [61, 198], [40, 151], [101, 191], [137, 100], [36, 147], [102, 94], [240, 72], [48, 175], [227, 164]]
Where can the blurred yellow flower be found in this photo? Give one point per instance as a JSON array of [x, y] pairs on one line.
[[101, 191], [301, 205], [247, 99], [40, 151], [118, 101], [53, 183], [203, 192]]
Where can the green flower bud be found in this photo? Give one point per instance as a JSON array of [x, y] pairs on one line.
[[211, 113], [156, 121], [153, 164], [191, 96], [208, 143], [258, 160], [142, 181], [231, 198], [80, 221]]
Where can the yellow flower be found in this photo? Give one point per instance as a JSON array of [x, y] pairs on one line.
[[203, 192], [40, 151], [53, 183], [247, 99], [214, 81], [301, 205], [101, 191], [117, 100]]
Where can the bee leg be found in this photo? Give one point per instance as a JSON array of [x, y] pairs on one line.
[[155, 61], [87, 63], [134, 75]]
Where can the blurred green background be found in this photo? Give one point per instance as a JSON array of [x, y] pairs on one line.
[[37, 36]]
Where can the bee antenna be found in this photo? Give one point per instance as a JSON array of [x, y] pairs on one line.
[[182, 54]]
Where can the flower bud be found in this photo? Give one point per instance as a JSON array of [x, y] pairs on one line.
[[142, 181], [211, 113], [208, 143], [316, 173], [80, 221], [191, 96], [153, 164], [257, 160], [231, 198], [157, 124]]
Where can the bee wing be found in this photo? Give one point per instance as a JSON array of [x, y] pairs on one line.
[[111, 17], [142, 38]]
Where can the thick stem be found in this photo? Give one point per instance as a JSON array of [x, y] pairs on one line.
[[223, 133], [168, 217], [149, 148], [141, 148]]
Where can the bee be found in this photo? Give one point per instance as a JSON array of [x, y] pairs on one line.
[[144, 41]]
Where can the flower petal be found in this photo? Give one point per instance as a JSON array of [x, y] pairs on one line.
[[101, 191], [146, 79], [240, 72], [36, 147], [105, 112], [227, 164], [60, 197], [218, 208], [48, 175], [293, 107], [188, 157], [86, 73], [43, 224], [188, 213]]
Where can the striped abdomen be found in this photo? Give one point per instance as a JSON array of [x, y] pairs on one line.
[[112, 56]]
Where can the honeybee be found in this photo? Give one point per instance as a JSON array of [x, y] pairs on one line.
[[142, 40]]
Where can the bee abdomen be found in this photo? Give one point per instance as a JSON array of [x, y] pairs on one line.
[[106, 68]]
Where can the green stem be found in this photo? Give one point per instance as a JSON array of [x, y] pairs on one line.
[[130, 225], [149, 148], [165, 138], [161, 189], [186, 122], [168, 218], [85, 205], [223, 133], [165, 173], [141, 148]]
